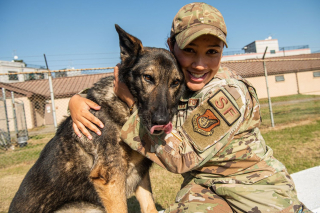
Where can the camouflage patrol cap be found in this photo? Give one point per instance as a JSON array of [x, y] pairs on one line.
[[196, 19]]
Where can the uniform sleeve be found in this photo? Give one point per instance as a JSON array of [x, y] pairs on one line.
[[206, 130]]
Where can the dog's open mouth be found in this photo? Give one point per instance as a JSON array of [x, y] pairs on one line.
[[156, 129]]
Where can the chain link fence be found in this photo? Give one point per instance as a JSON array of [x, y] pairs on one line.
[[4, 128], [13, 124], [37, 104], [288, 89]]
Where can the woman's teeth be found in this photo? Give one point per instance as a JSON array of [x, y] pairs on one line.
[[197, 75]]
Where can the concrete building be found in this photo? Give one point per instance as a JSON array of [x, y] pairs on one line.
[[255, 50], [259, 46], [37, 101], [285, 77], [18, 66]]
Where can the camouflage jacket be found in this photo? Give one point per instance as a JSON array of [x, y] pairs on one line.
[[216, 137]]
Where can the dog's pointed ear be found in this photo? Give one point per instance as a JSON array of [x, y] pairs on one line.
[[130, 46]]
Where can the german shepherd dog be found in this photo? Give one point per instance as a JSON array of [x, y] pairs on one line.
[[72, 173]]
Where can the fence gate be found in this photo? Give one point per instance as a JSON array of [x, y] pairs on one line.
[[22, 131], [13, 126], [5, 139]]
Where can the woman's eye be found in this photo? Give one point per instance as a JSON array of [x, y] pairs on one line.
[[212, 51], [148, 78], [189, 50]]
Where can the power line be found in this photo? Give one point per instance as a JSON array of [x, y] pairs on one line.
[[82, 59], [34, 56], [84, 64]]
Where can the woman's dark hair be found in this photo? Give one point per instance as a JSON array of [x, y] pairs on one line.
[[171, 41]]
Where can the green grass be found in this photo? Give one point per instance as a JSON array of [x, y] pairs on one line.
[[286, 113], [298, 148], [37, 137], [25, 154], [165, 186], [287, 98]]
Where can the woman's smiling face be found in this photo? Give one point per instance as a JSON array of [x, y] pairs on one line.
[[200, 60]]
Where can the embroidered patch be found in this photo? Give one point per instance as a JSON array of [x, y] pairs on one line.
[[224, 106], [193, 102], [182, 106], [205, 123]]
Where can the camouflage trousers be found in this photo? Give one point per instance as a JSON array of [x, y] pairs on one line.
[[196, 198], [257, 198]]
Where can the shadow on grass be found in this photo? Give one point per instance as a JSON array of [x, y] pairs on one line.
[[134, 207]]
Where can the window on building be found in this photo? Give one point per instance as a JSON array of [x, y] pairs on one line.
[[60, 74], [13, 76], [279, 78], [272, 52], [33, 76], [316, 74]]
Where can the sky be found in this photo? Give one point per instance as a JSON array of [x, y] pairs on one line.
[[81, 33]]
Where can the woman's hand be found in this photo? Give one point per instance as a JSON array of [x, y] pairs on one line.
[[82, 119], [79, 108], [121, 89]]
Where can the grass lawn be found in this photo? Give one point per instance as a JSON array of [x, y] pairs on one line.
[[298, 147], [288, 112], [288, 98], [14, 164], [26, 154], [295, 141]]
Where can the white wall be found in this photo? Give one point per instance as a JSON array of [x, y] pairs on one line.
[[246, 56], [6, 66], [271, 44], [307, 84]]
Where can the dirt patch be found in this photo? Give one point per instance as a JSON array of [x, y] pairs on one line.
[[10, 180], [9, 186]]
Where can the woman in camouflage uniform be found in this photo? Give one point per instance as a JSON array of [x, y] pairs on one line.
[[216, 143]]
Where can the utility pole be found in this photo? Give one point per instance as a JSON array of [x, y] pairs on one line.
[[266, 76], [52, 95], [283, 51]]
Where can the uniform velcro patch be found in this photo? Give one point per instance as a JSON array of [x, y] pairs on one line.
[[224, 106], [210, 121], [182, 106], [205, 123], [193, 102]]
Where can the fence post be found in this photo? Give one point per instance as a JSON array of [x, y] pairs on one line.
[[6, 111], [14, 115], [266, 76], [52, 102], [25, 120], [52, 96], [297, 79]]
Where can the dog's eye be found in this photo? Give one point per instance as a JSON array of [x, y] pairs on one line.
[[175, 83], [148, 78]]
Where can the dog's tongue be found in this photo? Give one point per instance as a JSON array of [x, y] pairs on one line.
[[166, 128]]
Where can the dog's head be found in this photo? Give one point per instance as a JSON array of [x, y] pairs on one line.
[[154, 79]]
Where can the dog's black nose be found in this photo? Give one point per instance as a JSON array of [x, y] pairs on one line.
[[160, 119]]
